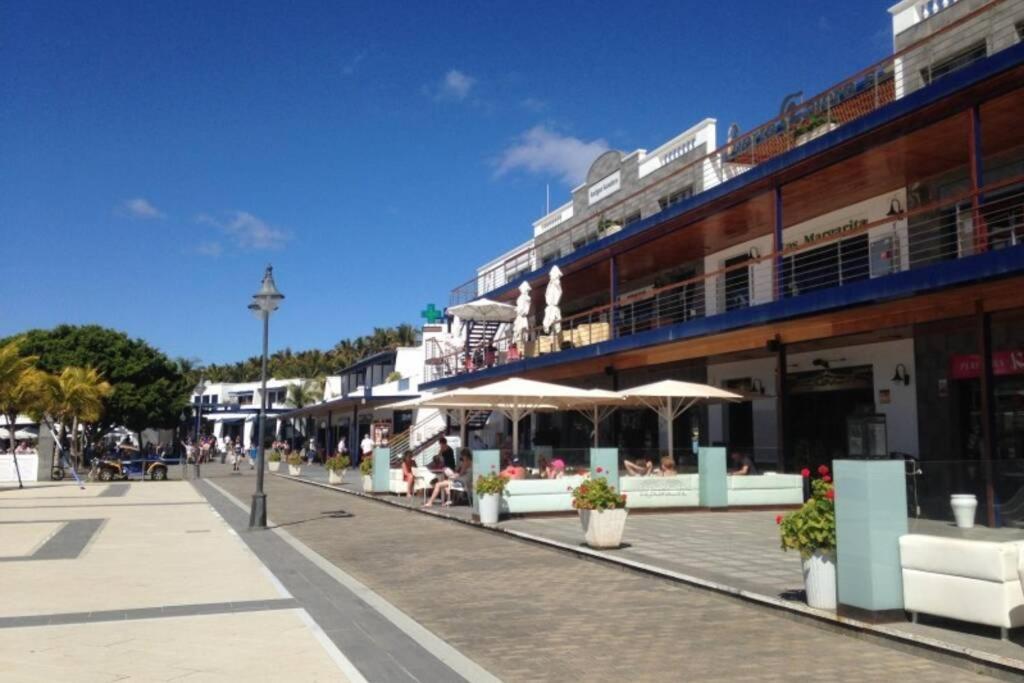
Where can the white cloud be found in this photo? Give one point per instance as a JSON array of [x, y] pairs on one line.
[[455, 85], [247, 230], [534, 104], [542, 150], [213, 249], [139, 208]]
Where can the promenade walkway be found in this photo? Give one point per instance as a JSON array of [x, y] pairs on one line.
[[526, 612]]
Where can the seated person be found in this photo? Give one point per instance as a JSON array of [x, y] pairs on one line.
[[542, 466], [408, 476], [514, 470], [668, 467], [556, 470], [744, 464], [464, 474], [639, 468]]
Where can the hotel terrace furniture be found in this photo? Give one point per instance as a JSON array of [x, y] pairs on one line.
[[975, 581], [28, 465], [525, 496]]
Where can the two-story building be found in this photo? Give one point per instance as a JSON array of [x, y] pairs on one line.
[[854, 266], [232, 408]]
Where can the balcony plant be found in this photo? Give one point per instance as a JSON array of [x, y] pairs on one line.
[[336, 468], [274, 460], [811, 530], [295, 464], [489, 489], [812, 127], [366, 470], [602, 511]]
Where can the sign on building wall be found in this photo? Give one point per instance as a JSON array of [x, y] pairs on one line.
[[604, 187], [968, 366]]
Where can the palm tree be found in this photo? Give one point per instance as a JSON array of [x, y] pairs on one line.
[[76, 396], [304, 394], [19, 390]]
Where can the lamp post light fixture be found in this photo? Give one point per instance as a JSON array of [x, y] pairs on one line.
[[264, 302], [200, 388]]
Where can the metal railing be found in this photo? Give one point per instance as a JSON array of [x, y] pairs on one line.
[[913, 67], [954, 229]]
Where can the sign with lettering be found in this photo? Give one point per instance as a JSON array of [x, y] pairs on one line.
[[968, 365], [605, 186], [848, 226]]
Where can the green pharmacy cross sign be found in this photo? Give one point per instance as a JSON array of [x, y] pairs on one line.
[[431, 314]]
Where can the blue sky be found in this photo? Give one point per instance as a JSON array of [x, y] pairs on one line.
[[155, 156]]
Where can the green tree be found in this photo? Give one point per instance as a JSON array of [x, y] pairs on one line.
[[149, 390], [75, 396], [19, 390]]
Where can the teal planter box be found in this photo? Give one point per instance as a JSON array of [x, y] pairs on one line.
[[608, 460], [712, 484], [381, 470], [871, 515]]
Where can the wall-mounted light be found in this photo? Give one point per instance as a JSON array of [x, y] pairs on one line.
[[895, 207], [901, 375], [757, 386], [754, 253]]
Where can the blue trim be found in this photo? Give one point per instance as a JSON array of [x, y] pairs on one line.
[[946, 86], [988, 265]]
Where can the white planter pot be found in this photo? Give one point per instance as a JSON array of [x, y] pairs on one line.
[[367, 484], [816, 133], [335, 476], [603, 528], [274, 465], [490, 506], [820, 580], [965, 506], [295, 470]]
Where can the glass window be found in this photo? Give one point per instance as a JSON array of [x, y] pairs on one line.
[[953, 62], [675, 197]]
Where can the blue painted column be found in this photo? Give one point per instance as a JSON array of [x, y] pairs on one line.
[[381, 470], [608, 460], [871, 515], [484, 462], [713, 481]]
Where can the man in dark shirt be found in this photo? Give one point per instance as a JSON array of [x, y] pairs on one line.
[[446, 453], [743, 462]]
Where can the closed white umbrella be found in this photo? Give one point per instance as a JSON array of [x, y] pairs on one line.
[[553, 297], [484, 310], [670, 398], [521, 327]]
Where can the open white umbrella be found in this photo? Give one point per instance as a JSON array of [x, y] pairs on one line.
[[552, 313], [597, 406], [521, 327], [484, 310], [670, 398]]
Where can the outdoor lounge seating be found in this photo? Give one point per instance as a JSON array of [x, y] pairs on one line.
[[975, 581], [679, 491], [765, 489], [423, 477]]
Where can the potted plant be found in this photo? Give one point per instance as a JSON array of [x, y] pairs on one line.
[[336, 467], [602, 512], [814, 126], [274, 460], [366, 469], [812, 531], [488, 490], [295, 464]]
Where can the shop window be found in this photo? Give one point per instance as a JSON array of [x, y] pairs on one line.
[[631, 218], [955, 61], [675, 197], [737, 283], [832, 265], [245, 399]]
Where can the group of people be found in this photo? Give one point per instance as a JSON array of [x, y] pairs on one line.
[[229, 450], [644, 467], [22, 448]]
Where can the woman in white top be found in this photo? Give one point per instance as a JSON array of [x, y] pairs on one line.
[[463, 475]]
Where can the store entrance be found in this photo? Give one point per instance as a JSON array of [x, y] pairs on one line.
[[817, 408]]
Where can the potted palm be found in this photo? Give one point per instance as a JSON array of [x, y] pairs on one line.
[[274, 460], [366, 469], [811, 530], [336, 467], [488, 490], [295, 464], [602, 512]]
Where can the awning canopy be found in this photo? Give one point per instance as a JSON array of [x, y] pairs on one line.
[[670, 398], [484, 310], [345, 404]]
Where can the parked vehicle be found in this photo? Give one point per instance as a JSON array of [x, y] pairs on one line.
[[134, 466]]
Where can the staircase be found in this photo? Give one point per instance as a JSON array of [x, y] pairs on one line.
[[477, 419], [480, 334], [421, 438]]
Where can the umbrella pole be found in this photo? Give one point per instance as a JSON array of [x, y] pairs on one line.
[[597, 421], [515, 431], [668, 418], [462, 426]]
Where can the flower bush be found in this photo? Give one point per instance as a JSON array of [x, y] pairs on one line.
[[812, 122], [490, 483], [295, 459], [366, 467], [812, 527], [597, 494], [338, 463], [275, 456]]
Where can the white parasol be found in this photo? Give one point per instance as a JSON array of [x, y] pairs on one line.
[[552, 297], [521, 327], [484, 310]]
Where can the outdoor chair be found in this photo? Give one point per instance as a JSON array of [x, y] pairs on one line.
[[457, 489]]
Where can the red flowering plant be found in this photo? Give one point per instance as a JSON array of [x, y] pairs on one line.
[[812, 528], [597, 494]]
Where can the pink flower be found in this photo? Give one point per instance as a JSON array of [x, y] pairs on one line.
[[826, 478], [830, 494], [805, 473], [778, 519], [600, 470], [823, 470]]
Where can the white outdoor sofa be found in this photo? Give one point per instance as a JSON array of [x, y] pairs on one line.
[[769, 488], [423, 478], [975, 581]]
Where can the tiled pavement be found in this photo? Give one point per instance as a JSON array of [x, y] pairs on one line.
[[525, 612]]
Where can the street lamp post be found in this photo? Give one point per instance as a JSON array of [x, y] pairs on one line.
[[200, 388], [264, 302]]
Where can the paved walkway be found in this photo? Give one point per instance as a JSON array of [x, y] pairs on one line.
[[525, 612], [143, 581]]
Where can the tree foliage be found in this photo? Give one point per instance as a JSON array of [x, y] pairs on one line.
[[312, 363], [149, 390]]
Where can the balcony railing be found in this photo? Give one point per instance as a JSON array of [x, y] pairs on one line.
[[955, 229], [913, 67]]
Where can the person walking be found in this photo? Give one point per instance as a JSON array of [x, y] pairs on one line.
[[366, 447]]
